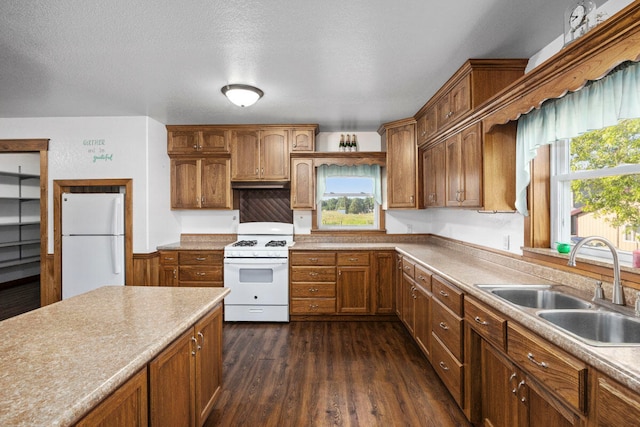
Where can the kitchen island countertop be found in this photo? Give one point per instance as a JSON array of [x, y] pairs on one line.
[[60, 361]]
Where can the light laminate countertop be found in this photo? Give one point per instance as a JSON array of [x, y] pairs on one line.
[[463, 267], [60, 361]]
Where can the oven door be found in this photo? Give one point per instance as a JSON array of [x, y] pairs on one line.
[[257, 281]]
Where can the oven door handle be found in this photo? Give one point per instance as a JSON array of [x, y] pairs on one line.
[[256, 261]]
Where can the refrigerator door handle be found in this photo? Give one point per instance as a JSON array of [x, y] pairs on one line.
[[115, 258], [116, 215]]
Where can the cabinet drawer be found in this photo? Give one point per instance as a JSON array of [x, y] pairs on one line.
[[200, 273], [448, 368], [353, 258], [312, 258], [201, 284], [423, 277], [168, 258], [408, 267], [448, 327], [313, 305], [198, 258], [559, 371], [318, 290], [487, 323], [448, 294], [313, 274]]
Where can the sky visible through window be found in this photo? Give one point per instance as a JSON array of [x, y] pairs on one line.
[[349, 185]]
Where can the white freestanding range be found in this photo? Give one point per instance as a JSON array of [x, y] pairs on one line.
[[256, 269], [92, 241]]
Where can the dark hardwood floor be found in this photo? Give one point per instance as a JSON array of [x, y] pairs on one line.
[[18, 298], [328, 374]]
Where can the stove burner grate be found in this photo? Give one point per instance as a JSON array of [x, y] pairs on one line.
[[246, 243], [276, 243]]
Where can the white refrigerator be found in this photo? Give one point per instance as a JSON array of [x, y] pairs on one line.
[[92, 241]]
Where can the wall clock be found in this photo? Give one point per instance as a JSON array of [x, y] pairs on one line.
[[578, 19]]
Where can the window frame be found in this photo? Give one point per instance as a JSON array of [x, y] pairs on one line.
[[377, 212]]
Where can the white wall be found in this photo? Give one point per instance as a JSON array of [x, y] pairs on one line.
[[109, 147]]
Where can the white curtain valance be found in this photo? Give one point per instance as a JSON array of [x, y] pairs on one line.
[[598, 105], [329, 171]]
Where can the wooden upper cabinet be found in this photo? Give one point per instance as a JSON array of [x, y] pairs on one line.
[[454, 103], [426, 125], [197, 140], [258, 155], [433, 175], [245, 155], [303, 139], [402, 167], [464, 168], [302, 184], [215, 141], [475, 82], [216, 183], [200, 183], [274, 155]]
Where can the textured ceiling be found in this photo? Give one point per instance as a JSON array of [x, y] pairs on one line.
[[347, 65]]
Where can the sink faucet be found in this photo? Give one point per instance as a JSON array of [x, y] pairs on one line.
[[618, 294]]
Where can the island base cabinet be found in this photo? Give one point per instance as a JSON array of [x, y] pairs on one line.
[[615, 405], [185, 378], [127, 406]]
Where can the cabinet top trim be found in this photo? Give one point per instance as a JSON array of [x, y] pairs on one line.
[[239, 126]]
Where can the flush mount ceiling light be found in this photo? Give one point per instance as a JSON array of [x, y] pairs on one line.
[[242, 95]]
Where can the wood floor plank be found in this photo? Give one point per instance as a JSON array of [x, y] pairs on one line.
[[328, 374]]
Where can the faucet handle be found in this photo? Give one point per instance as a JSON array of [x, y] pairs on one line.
[[599, 293]]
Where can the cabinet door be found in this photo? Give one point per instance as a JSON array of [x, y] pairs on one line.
[[274, 155], [499, 389], [353, 289], [127, 406], [168, 275], [216, 183], [408, 305], [302, 140], [215, 141], [434, 176], [185, 183], [171, 384], [471, 173], [385, 289], [398, 285], [183, 142], [616, 405], [245, 155], [422, 313], [208, 363], [401, 167], [302, 184], [460, 98]]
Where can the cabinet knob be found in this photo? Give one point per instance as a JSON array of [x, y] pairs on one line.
[[195, 146], [295, 144]]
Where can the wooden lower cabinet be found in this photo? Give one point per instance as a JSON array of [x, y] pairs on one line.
[[191, 268], [185, 379], [384, 294], [127, 406], [615, 404], [342, 283]]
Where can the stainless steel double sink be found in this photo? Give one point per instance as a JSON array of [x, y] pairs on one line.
[[590, 322]]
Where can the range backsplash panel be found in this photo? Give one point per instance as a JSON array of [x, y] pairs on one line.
[[265, 205]]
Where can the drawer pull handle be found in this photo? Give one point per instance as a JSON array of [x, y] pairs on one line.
[[195, 346], [353, 259], [444, 326], [313, 274], [443, 366], [313, 306], [313, 259], [200, 259], [406, 267], [420, 277], [169, 258], [444, 294], [313, 289], [532, 358], [480, 321], [200, 273]]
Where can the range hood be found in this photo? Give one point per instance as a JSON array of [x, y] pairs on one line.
[[258, 185]]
